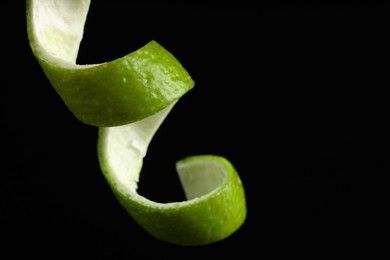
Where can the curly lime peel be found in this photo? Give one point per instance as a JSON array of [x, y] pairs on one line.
[[128, 99]]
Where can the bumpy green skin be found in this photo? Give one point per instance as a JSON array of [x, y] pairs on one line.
[[206, 220], [121, 91]]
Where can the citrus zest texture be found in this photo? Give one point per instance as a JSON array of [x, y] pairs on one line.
[[114, 93], [128, 99]]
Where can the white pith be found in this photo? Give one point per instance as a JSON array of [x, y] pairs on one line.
[[124, 148], [57, 29]]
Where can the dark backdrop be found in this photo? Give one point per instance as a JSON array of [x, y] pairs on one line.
[[288, 93]]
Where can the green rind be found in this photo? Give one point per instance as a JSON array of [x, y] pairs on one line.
[[212, 215], [118, 92], [204, 220], [124, 90]]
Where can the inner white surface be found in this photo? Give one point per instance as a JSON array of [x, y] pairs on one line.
[[126, 147], [58, 26], [200, 177]]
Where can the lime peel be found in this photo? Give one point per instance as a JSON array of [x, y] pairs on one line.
[[112, 93], [128, 99], [215, 205]]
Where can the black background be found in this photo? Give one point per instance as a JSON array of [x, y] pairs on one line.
[[290, 94]]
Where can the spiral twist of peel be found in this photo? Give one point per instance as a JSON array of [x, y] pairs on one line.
[[128, 99]]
